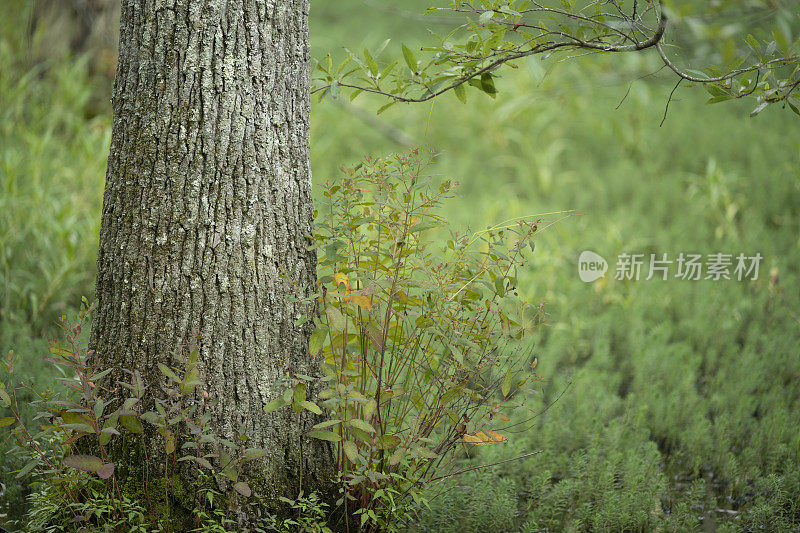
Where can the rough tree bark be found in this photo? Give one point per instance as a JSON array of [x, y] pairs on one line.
[[207, 209]]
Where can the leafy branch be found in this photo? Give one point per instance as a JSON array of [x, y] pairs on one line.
[[498, 33]]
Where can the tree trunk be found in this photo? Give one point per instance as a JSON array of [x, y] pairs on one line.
[[207, 214]]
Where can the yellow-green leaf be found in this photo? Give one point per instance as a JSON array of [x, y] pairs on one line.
[[325, 435], [505, 388], [335, 318], [317, 340], [397, 456], [387, 442], [350, 450], [311, 406], [461, 93], [274, 405], [300, 393], [361, 301], [360, 424], [410, 58], [5, 397]]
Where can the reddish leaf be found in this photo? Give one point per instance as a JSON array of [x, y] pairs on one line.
[[242, 488], [105, 471], [87, 463]]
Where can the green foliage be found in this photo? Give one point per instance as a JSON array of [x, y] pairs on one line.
[[699, 373], [68, 453], [491, 34], [52, 162], [471, 502], [310, 516]]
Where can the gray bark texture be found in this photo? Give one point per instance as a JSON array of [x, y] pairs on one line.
[[207, 215]]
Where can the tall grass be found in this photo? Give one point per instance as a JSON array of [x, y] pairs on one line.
[[52, 161], [51, 170]]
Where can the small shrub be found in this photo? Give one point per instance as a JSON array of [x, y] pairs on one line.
[[416, 340]]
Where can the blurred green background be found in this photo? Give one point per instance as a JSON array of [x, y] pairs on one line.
[[680, 402]]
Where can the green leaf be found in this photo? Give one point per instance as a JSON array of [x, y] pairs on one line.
[[61, 352], [100, 375], [487, 84], [373, 67], [327, 423], [109, 429], [759, 109], [397, 456], [168, 372], [387, 442], [30, 465], [335, 318], [274, 405], [7, 421], [493, 41], [350, 450], [425, 453], [461, 93], [360, 424], [451, 395], [336, 91], [325, 435], [422, 226], [311, 406], [229, 467], [485, 17], [151, 418], [506, 386], [85, 428], [500, 286], [458, 355], [253, 453], [369, 408], [317, 340], [131, 423], [385, 106], [411, 59], [190, 381]]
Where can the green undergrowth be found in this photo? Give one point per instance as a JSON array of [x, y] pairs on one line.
[[671, 402]]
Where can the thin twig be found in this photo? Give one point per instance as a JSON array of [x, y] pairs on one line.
[[439, 478], [666, 107]]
